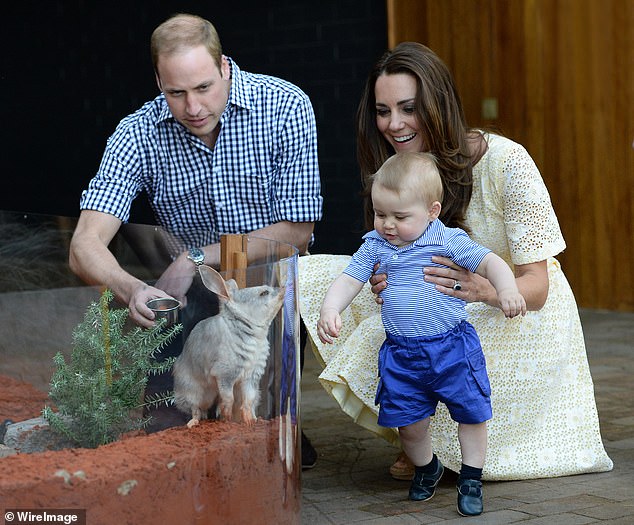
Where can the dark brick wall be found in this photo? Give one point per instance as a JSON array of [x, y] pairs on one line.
[[72, 69]]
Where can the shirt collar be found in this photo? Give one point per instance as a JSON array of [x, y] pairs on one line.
[[240, 92], [164, 112], [434, 234]]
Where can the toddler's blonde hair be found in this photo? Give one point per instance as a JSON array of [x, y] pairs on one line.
[[415, 173]]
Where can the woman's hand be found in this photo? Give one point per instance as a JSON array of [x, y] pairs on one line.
[[456, 281], [531, 280], [379, 283]]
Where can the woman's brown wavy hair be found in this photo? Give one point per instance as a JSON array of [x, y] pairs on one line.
[[439, 111]]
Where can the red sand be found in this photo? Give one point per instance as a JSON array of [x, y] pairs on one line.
[[216, 473]]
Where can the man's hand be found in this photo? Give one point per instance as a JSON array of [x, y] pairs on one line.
[[174, 282], [139, 312]]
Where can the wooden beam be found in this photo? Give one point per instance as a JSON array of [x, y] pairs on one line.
[[233, 257]]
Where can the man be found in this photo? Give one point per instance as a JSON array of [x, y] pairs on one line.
[[220, 150]]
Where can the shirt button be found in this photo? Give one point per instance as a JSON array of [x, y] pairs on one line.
[[394, 256]]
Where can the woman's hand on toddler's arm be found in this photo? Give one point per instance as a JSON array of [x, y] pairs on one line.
[[379, 283], [473, 287]]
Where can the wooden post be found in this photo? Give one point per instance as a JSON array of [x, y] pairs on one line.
[[233, 257]]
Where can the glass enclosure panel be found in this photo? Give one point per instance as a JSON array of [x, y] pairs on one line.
[[224, 471]]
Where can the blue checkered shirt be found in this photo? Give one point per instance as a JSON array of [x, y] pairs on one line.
[[411, 306], [262, 170]]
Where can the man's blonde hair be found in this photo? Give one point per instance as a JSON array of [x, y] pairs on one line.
[[415, 173], [183, 31]]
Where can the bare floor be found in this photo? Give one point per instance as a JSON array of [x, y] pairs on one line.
[[350, 482]]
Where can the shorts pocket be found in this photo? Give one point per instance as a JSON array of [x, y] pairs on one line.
[[477, 364]]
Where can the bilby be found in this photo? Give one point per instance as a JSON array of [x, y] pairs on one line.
[[224, 356]]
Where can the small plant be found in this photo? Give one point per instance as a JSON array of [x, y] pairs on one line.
[[100, 392]]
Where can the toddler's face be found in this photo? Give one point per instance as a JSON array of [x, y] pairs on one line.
[[399, 218]]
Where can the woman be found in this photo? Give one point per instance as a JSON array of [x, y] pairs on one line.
[[545, 420]]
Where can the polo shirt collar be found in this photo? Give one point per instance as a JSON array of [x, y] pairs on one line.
[[434, 234]]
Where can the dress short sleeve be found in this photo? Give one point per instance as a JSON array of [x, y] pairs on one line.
[[510, 211]]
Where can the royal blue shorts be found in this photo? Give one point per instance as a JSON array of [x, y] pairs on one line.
[[415, 373]]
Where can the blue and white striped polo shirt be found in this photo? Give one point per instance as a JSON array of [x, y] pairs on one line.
[[263, 168], [411, 306]]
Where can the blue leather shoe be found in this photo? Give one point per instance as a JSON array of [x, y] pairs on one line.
[[424, 485], [470, 497]]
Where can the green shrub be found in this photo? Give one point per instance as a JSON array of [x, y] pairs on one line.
[[99, 394]]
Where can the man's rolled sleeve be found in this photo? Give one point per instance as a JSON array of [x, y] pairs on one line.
[[297, 194], [114, 187]]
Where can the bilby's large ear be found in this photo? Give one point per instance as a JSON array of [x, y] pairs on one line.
[[232, 286], [214, 282]]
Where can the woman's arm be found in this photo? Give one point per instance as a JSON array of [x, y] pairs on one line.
[[497, 272], [531, 280]]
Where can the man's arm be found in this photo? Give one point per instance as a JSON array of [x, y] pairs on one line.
[[296, 233], [92, 261], [297, 201], [177, 278]]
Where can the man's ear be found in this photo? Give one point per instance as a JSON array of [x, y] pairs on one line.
[[225, 70], [434, 210], [158, 81]]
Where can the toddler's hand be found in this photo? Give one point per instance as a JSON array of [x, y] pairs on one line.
[[328, 326], [512, 303]]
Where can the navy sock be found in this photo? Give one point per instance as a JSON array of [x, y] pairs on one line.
[[430, 468], [468, 472]]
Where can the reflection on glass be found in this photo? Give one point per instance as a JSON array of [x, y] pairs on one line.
[[42, 301]]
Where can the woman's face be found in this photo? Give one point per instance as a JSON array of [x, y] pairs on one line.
[[396, 116]]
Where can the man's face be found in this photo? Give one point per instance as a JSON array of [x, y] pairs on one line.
[[195, 89]]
